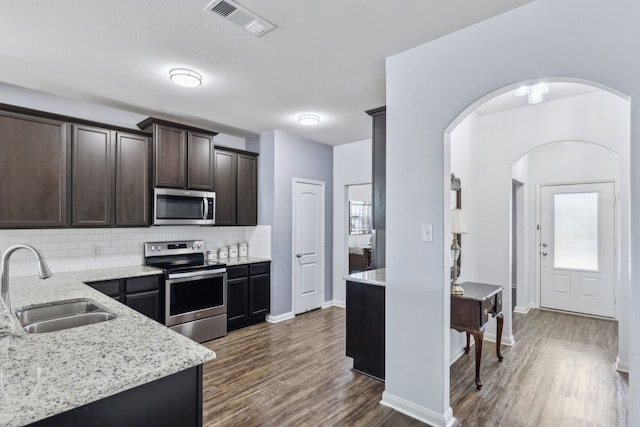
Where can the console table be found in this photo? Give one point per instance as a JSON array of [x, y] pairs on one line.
[[470, 313]]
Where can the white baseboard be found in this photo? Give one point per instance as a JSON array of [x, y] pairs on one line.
[[280, 317], [418, 412], [622, 366], [341, 304], [509, 341], [456, 355], [523, 310]]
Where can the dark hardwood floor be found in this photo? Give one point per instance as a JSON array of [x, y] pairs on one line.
[[295, 373]]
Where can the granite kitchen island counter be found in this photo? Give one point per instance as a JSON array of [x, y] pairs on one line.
[[369, 277], [50, 373]]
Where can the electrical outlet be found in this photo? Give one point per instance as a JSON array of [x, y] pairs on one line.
[[97, 250], [427, 233]]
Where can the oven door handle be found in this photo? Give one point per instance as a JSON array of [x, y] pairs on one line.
[[197, 275]]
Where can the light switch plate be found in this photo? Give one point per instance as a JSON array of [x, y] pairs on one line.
[[427, 233]]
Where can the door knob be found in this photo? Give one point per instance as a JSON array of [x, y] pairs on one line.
[[299, 255], [544, 253]]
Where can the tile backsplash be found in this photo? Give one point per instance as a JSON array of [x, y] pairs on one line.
[[76, 249]]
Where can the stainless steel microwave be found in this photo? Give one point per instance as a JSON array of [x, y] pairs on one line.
[[183, 207]]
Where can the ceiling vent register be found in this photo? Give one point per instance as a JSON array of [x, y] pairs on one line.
[[232, 11]]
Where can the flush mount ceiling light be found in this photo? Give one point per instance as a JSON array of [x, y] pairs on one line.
[[185, 77], [535, 92], [308, 119]]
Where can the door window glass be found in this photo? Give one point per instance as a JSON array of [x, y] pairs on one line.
[[575, 230]]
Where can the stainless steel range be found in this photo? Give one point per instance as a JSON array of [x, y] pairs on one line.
[[195, 290]]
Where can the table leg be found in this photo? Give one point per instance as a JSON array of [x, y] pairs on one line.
[[478, 336], [466, 349], [500, 322]]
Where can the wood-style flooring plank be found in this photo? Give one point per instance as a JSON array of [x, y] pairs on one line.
[[295, 373]]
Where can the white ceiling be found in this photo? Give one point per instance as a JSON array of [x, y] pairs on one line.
[[325, 57]]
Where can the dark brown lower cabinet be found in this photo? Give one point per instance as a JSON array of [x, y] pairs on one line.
[[175, 400], [365, 328], [248, 294], [143, 294]]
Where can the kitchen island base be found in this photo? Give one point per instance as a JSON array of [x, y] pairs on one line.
[[174, 400]]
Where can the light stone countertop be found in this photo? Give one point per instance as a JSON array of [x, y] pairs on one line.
[[370, 277], [80, 365]]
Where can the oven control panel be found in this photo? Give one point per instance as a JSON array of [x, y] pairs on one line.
[[174, 248]]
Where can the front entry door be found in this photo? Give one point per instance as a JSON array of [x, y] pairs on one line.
[[577, 248], [308, 245]]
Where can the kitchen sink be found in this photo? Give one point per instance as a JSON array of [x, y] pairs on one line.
[[64, 315]]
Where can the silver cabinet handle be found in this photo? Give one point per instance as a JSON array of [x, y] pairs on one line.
[[299, 255], [544, 253], [544, 245]]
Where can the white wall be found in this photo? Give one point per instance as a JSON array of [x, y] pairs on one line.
[[501, 139], [351, 165], [427, 88]]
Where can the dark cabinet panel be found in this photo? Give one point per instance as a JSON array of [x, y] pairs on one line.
[[33, 172], [237, 303], [379, 179], [200, 161], [147, 303], [365, 340], [170, 156], [132, 180], [225, 179], [247, 190], [144, 294], [259, 287], [155, 403], [248, 294], [236, 187], [92, 176]]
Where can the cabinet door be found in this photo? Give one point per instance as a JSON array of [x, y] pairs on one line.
[[132, 180], [147, 303], [225, 179], [33, 172], [237, 303], [247, 190], [169, 156], [259, 287], [92, 175], [200, 161]]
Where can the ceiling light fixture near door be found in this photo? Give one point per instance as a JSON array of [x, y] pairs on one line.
[[185, 77], [535, 92], [308, 119]]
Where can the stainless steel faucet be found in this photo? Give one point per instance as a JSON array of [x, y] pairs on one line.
[[43, 269]]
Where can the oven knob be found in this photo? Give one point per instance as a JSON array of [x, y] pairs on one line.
[[153, 248], [198, 245]]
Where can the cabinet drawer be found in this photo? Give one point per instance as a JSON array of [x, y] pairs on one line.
[[237, 271], [107, 287], [142, 284], [488, 307], [498, 302], [261, 268]]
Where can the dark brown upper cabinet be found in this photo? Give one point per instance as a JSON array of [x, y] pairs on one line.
[[110, 178], [132, 180], [92, 176], [236, 178], [183, 156], [33, 171]]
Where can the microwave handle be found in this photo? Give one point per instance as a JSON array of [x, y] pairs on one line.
[[205, 208]]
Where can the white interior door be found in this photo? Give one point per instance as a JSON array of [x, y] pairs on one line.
[[577, 248], [308, 246]]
